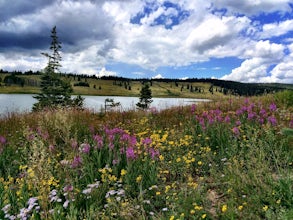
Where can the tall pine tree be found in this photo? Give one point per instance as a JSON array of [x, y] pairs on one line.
[[55, 92]]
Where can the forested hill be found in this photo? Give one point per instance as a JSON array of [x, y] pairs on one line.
[[29, 82]]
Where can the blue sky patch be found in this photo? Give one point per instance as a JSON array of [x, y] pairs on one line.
[[173, 14]]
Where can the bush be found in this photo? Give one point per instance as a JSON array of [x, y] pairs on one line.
[[85, 84]]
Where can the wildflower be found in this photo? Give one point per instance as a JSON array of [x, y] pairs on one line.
[[161, 157], [273, 107], [138, 179], [153, 153], [99, 140], [147, 141], [192, 211], [238, 123], [204, 216], [165, 209], [123, 172], [265, 208], [68, 188], [172, 217], [199, 163], [76, 161], [65, 204], [130, 153], [240, 207], [85, 148], [2, 140], [224, 208], [272, 120], [6, 208], [227, 119], [236, 131], [278, 201], [251, 115]]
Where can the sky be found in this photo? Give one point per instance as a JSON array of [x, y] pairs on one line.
[[243, 40]]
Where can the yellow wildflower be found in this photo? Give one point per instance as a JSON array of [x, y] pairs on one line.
[[224, 208], [138, 179], [123, 172], [240, 207], [204, 216], [265, 208]]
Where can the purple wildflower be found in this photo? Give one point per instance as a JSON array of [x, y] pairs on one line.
[[238, 123], [2, 140], [272, 120], [115, 161], [193, 108], [76, 161], [147, 141], [68, 188], [154, 153], [227, 119], [251, 115], [273, 107], [130, 153], [111, 146], [261, 121], [263, 112], [236, 131], [85, 148], [99, 140]]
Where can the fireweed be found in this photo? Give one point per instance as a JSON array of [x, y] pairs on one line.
[[210, 161]]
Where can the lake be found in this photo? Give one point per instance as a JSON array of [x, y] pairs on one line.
[[24, 102]]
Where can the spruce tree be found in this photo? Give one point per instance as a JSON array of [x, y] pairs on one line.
[[55, 92], [145, 98]]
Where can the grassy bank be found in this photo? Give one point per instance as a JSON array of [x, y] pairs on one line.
[[115, 87], [220, 160]]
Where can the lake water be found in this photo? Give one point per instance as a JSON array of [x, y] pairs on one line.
[[24, 102]]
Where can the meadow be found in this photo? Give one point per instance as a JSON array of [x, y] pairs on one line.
[[226, 159]]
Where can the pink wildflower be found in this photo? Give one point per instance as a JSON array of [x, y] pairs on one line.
[[130, 153], [236, 131]]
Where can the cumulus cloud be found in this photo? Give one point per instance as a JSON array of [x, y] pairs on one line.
[[276, 29], [260, 57], [251, 7], [159, 76], [147, 33], [104, 72]]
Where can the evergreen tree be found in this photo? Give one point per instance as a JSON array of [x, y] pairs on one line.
[[145, 98], [55, 92]]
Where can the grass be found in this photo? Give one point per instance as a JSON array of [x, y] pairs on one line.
[[220, 160], [115, 88]]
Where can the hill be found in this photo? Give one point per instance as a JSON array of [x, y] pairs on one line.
[[29, 82]]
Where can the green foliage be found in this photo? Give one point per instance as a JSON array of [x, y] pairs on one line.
[[55, 92], [145, 98], [85, 84], [13, 79], [208, 161], [285, 98]]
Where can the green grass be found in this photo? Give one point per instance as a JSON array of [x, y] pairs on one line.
[[221, 160], [108, 88]]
